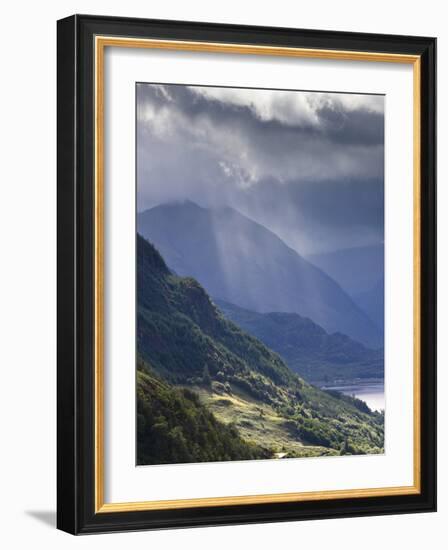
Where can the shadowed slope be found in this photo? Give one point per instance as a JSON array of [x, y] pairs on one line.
[[306, 347]]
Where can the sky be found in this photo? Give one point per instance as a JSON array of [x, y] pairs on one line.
[[307, 165]]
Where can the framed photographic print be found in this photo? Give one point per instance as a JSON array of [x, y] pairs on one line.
[[246, 274]]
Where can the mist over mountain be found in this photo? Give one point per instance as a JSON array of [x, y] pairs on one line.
[[242, 262], [309, 166]]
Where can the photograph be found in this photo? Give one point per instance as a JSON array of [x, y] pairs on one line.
[[259, 274], [222, 255], [246, 274]]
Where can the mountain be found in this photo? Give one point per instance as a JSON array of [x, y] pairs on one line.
[[242, 262], [306, 347], [360, 272], [372, 302], [180, 332], [184, 339], [356, 269]]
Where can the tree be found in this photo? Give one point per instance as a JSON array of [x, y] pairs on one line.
[[206, 378]]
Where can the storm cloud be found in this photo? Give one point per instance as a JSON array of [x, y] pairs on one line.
[[307, 165]]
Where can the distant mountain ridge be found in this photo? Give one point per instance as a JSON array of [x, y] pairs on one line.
[[242, 262], [306, 347]]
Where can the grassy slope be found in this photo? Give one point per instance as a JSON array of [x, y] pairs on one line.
[[173, 426], [190, 343], [258, 422]]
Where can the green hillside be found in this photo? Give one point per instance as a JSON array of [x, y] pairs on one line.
[[306, 347], [173, 426], [191, 345]]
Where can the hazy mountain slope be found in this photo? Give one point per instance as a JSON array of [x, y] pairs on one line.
[[306, 347], [244, 263], [360, 272], [357, 269], [372, 302], [187, 341]]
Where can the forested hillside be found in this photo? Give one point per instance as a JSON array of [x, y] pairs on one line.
[[173, 426], [307, 348]]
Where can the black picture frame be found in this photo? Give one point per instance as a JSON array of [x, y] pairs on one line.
[[76, 264]]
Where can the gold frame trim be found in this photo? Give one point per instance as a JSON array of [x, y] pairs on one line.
[[101, 42]]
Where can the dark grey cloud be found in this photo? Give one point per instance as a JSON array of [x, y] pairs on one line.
[[309, 166], [355, 127]]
